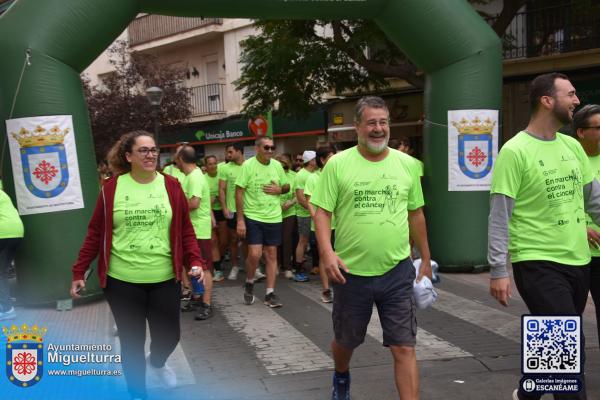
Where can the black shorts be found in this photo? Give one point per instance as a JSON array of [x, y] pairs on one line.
[[391, 292], [267, 234], [232, 223], [219, 216]]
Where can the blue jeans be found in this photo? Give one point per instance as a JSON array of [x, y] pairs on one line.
[[8, 248]]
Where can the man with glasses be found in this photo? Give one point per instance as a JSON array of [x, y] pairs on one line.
[[542, 187], [297, 162], [260, 183], [375, 194], [586, 127]]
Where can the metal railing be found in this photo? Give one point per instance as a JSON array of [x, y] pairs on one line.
[[152, 27], [552, 30], [207, 99]]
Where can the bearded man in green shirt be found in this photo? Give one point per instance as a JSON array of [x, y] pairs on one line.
[[376, 196], [542, 187]]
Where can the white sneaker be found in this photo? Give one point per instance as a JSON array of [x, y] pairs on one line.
[[166, 375], [515, 395], [258, 275], [234, 273], [289, 274]]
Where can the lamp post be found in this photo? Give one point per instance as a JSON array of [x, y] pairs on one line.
[[155, 96]]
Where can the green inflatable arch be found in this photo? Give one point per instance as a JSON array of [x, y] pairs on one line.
[[46, 44]]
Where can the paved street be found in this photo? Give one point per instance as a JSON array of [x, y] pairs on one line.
[[468, 346]]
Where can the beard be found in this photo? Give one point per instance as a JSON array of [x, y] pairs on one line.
[[562, 114], [373, 148]]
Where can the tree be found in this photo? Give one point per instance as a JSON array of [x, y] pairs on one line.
[[119, 104], [292, 63]]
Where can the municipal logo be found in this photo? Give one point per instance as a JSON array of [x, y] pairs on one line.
[[44, 160], [24, 354], [475, 146]]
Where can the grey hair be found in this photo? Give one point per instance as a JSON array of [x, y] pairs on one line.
[[368, 101], [582, 116]]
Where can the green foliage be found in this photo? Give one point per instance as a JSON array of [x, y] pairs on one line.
[[119, 104]]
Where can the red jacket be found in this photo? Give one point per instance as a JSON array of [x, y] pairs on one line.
[[98, 240]]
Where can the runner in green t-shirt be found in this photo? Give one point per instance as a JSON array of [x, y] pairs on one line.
[[586, 127], [227, 175], [11, 235], [197, 191], [219, 232], [171, 168], [375, 194], [542, 186], [258, 187], [323, 155], [288, 223], [302, 213]]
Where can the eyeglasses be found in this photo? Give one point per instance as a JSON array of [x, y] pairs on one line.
[[299, 160], [268, 148], [372, 123], [145, 150]]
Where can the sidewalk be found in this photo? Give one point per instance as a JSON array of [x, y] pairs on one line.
[[468, 348]]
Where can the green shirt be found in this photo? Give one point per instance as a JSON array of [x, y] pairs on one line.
[[213, 185], [10, 222], [141, 246], [195, 185], [546, 179], [301, 178], [291, 178], [371, 201], [229, 173], [595, 165], [309, 190], [174, 172], [258, 205]]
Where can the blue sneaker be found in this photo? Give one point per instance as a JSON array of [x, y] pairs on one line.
[[341, 388], [8, 314], [301, 277]]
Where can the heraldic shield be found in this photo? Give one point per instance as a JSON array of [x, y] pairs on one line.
[[45, 169], [475, 155], [24, 355]]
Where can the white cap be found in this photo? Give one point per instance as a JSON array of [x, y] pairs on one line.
[[308, 155]]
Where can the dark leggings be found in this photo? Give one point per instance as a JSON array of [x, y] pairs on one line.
[[550, 288], [595, 288], [132, 304], [287, 241]]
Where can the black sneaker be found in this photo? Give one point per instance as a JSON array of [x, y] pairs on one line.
[[272, 301], [249, 293], [205, 312]]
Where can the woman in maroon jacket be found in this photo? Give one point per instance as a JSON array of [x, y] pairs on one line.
[[142, 235]]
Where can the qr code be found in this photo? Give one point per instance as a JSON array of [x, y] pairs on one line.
[[551, 344]]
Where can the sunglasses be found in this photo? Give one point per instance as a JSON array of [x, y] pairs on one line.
[[268, 148]]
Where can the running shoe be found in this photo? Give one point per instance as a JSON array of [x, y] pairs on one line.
[[165, 374], [326, 296], [205, 312], [341, 388], [289, 274], [218, 277], [272, 301], [8, 314], [233, 274], [186, 294], [258, 275], [301, 277], [249, 293]]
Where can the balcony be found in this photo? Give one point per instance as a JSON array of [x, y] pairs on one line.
[[152, 27], [552, 30], [207, 99]]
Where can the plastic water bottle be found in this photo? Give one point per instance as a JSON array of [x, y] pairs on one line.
[[197, 285]]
